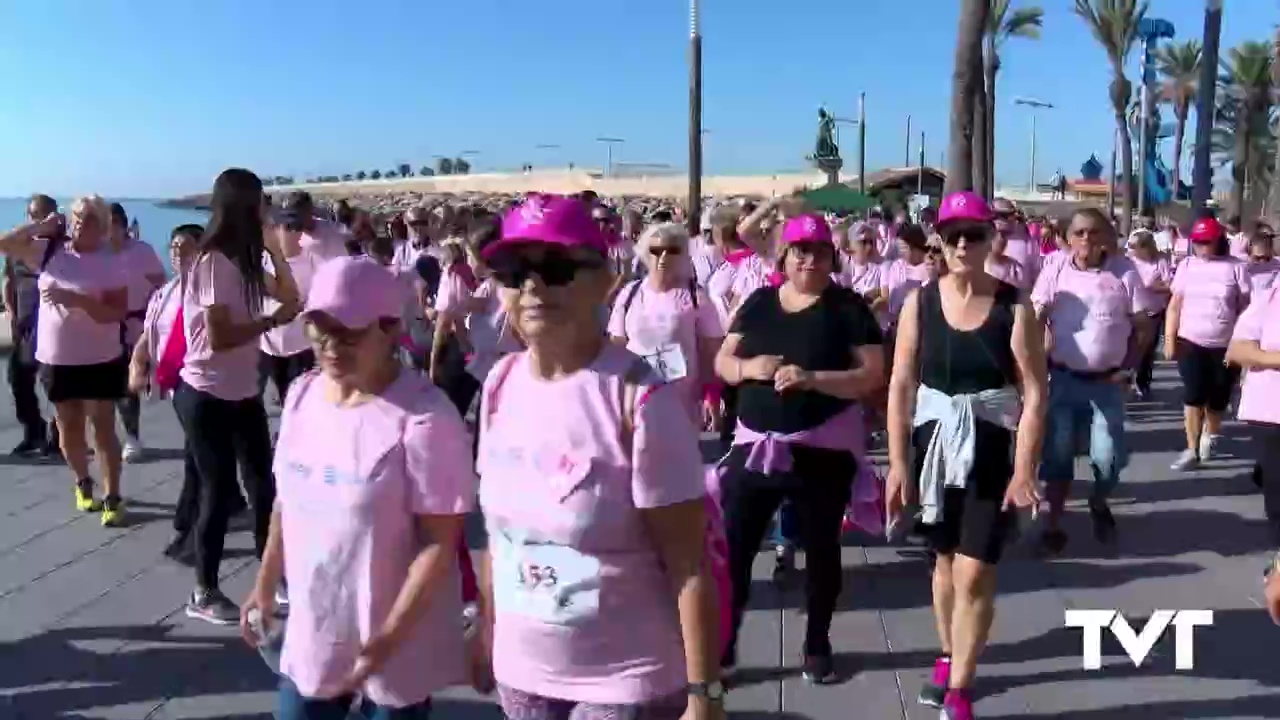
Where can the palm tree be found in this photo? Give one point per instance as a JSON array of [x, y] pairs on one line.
[[1023, 22], [1246, 87], [444, 166], [1262, 148], [426, 171], [375, 175], [1179, 65], [1114, 24], [1273, 204], [965, 78], [461, 167], [362, 175]]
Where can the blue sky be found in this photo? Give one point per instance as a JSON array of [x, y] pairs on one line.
[[154, 97]]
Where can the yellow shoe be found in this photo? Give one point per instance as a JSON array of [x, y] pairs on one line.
[[85, 501], [112, 512]]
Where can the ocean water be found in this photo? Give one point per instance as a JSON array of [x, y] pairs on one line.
[[154, 222]]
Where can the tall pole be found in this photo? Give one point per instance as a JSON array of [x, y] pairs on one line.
[[1111, 177], [1145, 112], [609, 142], [907, 161], [695, 118], [862, 143], [920, 173], [1203, 171], [1031, 179]]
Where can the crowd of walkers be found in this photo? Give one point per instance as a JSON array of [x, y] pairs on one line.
[[547, 367]]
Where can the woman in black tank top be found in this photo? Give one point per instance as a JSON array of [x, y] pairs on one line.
[[966, 339]]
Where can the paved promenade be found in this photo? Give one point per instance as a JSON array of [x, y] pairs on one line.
[[91, 623]]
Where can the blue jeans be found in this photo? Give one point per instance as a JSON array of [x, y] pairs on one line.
[[293, 706], [1078, 406], [784, 530]]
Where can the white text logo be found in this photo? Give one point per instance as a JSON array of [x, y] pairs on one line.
[[1138, 644]]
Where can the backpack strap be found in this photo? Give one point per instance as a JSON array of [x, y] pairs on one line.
[[51, 248], [693, 292], [632, 291]]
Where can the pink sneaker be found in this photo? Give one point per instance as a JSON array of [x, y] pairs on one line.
[[957, 706], [934, 691]]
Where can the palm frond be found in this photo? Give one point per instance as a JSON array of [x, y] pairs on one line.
[[1114, 24]]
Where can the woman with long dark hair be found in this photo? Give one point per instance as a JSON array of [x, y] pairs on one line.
[[217, 399]]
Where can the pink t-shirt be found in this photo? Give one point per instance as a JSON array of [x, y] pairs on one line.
[[226, 374], [1262, 275], [861, 278], [1026, 252], [162, 311], [1260, 391], [68, 336], [584, 609], [663, 328], [290, 339], [456, 288], [140, 263], [327, 240], [351, 483], [1155, 274], [1238, 246], [1090, 313], [1010, 271], [898, 279], [1213, 294]]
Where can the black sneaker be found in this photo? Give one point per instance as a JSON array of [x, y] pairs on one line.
[[819, 669], [213, 607], [1104, 523], [28, 447]]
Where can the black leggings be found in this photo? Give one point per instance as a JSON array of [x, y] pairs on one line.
[[1207, 380], [1266, 448], [283, 370], [818, 487], [1146, 367], [222, 434]]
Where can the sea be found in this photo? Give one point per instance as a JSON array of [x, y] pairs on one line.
[[154, 222]]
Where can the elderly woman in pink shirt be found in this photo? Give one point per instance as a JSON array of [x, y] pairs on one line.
[[83, 299], [595, 594], [375, 479], [1210, 290]]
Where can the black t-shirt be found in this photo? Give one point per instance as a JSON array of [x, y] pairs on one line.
[[819, 338]]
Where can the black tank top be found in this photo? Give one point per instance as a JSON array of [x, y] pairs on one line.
[[964, 362]]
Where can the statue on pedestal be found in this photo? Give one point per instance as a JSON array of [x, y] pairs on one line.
[[826, 153]]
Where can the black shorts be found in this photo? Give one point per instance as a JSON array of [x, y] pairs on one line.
[[973, 523], [1207, 381], [103, 381]]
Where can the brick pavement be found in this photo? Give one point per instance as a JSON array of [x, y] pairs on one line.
[[91, 623]]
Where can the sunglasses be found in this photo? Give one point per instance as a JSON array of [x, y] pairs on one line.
[[970, 235], [338, 337], [556, 269], [660, 250]]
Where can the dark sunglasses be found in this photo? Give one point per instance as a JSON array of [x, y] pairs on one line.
[[419, 223], [1259, 258], [970, 235], [660, 250], [556, 269], [339, 337]]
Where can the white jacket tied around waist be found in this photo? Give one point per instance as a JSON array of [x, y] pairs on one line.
[[948, 459]]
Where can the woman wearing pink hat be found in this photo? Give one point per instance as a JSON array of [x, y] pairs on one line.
[[1210, 290], [968, 372], [595, 596], [801, 355], [371, 460]]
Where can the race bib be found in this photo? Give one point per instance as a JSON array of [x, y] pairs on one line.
[[553, 584], [668, 361]]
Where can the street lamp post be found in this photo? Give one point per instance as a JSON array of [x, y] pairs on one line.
[[695, 117], [1034, 105], [609, 142]]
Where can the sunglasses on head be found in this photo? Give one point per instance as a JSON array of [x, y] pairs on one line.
[[660, 250], [555, 268]]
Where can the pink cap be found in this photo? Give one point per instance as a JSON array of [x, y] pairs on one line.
[[806, 228], [966, 205], [355, 291], [552, 219]]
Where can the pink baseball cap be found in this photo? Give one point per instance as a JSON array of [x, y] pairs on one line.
[[355, 291], [806, 228], [967, 206], [551, 219]]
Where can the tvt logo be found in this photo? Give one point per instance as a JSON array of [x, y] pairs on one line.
[[1138, 644]]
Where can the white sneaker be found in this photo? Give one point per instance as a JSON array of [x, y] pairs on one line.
[[1207, 445], [132, 451], [1186, 461]]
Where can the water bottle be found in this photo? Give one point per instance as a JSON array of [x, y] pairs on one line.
[[270, 638]]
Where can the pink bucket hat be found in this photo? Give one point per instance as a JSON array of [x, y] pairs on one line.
[[552, 219], [355, 291], [806, 228], [967, 205]]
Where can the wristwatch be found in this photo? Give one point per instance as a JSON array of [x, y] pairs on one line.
[[713, 691], [1272, 566]]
